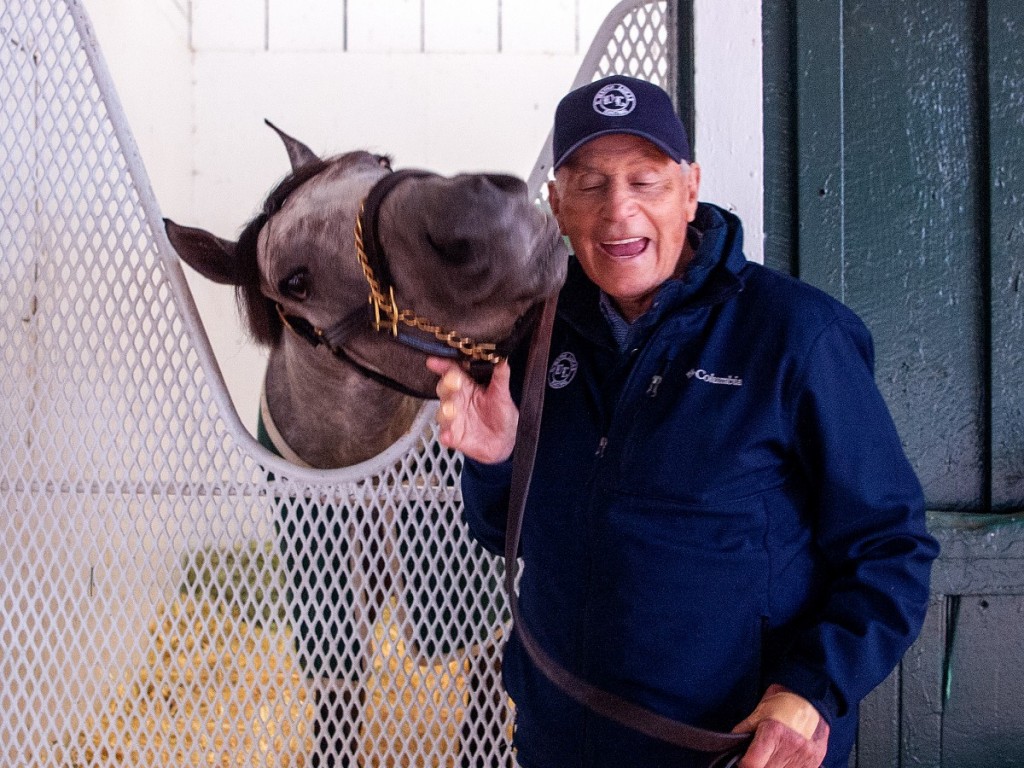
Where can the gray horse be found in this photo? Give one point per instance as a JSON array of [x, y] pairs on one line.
[[452, 267], [468, 255]]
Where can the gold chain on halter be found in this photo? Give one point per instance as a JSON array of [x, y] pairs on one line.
[[387, 315]]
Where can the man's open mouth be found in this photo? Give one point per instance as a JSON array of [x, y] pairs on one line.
[[624, 249]]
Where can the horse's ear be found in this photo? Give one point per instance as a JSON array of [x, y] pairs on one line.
[[299, 154], [207, 254]]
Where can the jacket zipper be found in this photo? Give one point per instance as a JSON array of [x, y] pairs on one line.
[[656, 379], [652, 388]]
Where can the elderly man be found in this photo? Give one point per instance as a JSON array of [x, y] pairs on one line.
[[722, 525]]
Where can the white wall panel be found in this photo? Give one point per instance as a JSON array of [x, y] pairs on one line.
[[231, 25], [538, 26], [446, 112], [146, 48], [385, 25], [492, 113], [309, 25], [460, 26], [729, 141]]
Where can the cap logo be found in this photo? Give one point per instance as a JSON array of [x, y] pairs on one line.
[[614, 100]]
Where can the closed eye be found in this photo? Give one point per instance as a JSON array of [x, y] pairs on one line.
[[646, 181], [590, 182]]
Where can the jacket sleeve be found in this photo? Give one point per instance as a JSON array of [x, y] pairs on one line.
[[867, 511], [485, 487], [485, 494]]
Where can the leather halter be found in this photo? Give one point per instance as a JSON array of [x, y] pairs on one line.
[[384, 315]]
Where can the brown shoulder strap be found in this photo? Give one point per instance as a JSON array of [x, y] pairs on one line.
[[604, 703]]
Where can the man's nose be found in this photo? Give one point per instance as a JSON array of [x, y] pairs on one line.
[[619, 202]]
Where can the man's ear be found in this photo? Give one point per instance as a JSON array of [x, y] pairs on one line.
[[693, 190], [553, 197]]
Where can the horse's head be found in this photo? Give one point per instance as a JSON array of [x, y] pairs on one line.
[[455, 263]]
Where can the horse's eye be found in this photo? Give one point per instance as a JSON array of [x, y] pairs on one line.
[[296, 285], [384, 161]]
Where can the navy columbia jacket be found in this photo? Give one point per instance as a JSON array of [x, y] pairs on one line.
[[722, 506]]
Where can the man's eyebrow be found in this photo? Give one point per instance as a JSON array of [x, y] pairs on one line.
[[576, 165]]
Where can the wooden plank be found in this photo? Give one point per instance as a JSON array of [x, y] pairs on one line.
[[780, 147], [229, 25], [685, 75], [312, 25], [912, 247], [1006, 147], [981, 554], [979, 576], [982, 727], [460, 26], [538, 26], [377, 26], [878, 734], [819, 124], [921, 692], [967, 536]]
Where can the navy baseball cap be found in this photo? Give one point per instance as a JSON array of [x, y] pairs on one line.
[[618, 104]]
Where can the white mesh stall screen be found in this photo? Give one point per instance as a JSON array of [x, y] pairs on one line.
[[637, 39], [166, 599]]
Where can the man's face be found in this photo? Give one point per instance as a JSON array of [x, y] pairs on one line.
[[625, 206]]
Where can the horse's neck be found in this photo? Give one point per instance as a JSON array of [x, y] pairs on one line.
[[328, 413]]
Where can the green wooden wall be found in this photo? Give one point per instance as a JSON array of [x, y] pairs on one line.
[[894, 163]]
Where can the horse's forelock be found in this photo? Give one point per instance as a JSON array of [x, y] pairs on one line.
[[260, 312]]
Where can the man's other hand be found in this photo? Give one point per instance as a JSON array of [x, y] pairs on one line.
[[788, 732]]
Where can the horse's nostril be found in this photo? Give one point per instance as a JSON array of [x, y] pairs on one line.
[[457, 251], [454, 250]]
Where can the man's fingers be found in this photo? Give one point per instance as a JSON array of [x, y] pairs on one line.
[[785, 706], [449, 375], [778, 746], [450, 384], [501, 375], [446, 414], [439, 365]]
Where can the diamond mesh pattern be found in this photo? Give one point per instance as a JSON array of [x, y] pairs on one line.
[[170, 594], [639, 45]]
